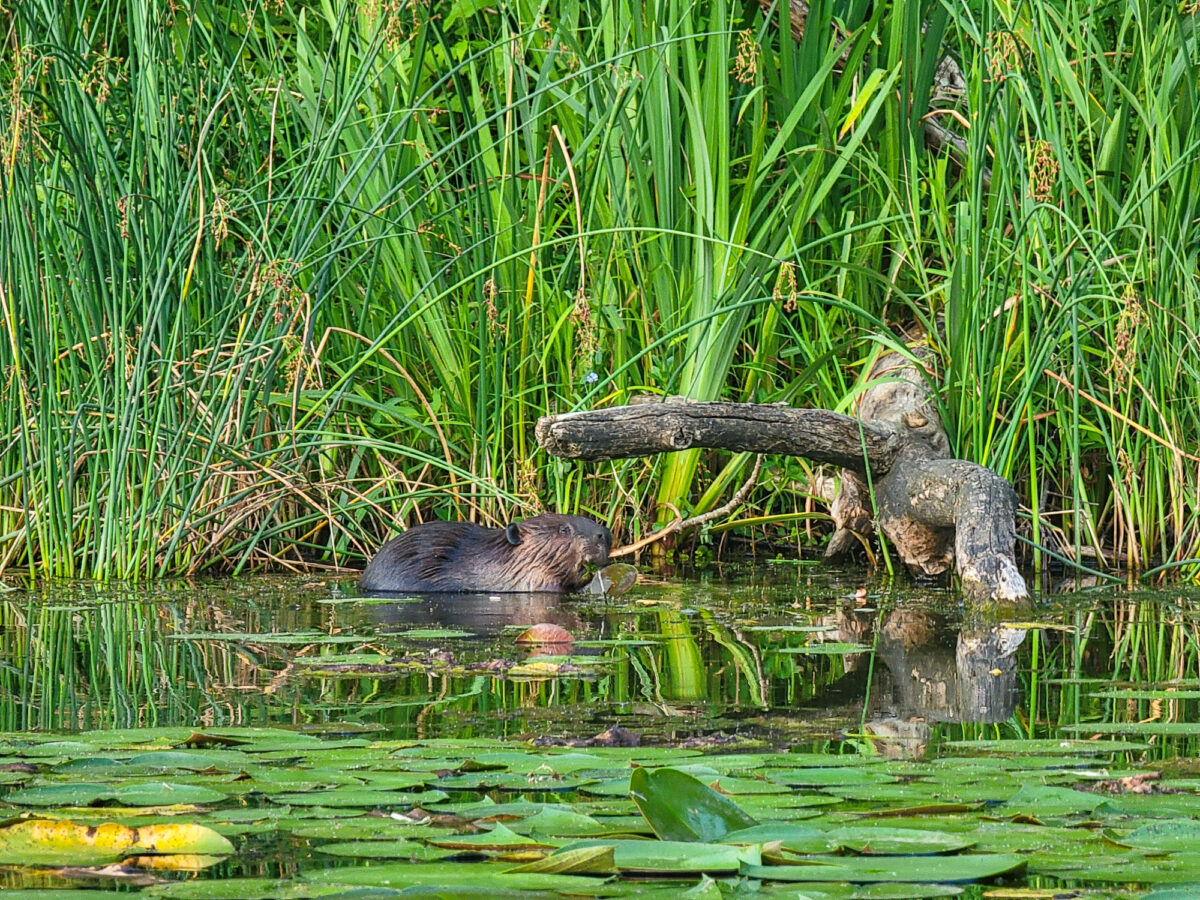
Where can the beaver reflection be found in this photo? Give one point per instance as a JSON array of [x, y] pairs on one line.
[[547, 553], [480, 614]]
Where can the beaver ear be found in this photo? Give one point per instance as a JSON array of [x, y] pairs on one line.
[[513, 533]]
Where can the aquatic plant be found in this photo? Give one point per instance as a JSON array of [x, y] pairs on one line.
[[280, 277]]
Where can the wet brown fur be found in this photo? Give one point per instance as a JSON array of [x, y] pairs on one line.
[[549, 552]]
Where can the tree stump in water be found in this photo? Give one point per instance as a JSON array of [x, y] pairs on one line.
[[937, 511]]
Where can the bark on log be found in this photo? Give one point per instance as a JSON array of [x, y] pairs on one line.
[[647, 428]]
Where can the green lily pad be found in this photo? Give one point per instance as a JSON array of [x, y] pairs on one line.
[[454, 875], [1165, 836], [882, 841], [798, 838], [499, 837], [433, 634], [395, 849], [364, 798], [1045, 800], [242, 889], [680, 857], [300, 638], [597, 860], [560, 823], [829, 776], [1041, 746], [862, 869], [679, 807], [149, 794]]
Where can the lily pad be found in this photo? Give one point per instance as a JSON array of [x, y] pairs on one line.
[[57, 842], [148, 794], [1165, 836], [863, 869], [300, 638], [454, 875], [679, 857], [679, 807]]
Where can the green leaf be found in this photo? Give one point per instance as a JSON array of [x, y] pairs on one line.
[[1165, 836], [454, 875], [396, 849], [595, 860], [1046, 800], [681, 808], [683, 857], [864, 869], [146, 794]]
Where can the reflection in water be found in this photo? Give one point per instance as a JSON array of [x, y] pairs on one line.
[[484, 614], [934, 669], [767, 654]]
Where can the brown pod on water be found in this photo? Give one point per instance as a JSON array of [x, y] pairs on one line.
[[550, 552], [546, 635]]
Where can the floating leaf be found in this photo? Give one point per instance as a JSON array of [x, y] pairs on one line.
[[878, 841], [822, 777], [270, 637], [561, 823], [679, 807], [799, 838], [396, 849], [145, 794], [235, 889], [499, 838], [365, 798], [433, 634], [59, 842], [453, 875], [828, 648], [1165, 836], [597, 860], [1020, 746], [682, 857], [1046, 800], [863, 869], [884, 891]]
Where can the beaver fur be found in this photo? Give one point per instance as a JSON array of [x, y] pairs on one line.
[[549, 552]]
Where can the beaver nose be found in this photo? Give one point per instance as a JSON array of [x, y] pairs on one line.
[[603, 543]]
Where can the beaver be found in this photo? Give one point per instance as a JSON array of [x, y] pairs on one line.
[[546, 553]]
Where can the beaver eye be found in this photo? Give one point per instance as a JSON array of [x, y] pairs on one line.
[[564, 529]]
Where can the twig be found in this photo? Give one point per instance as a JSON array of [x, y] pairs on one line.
[[681, 523]]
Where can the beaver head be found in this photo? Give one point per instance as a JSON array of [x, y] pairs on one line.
[[562, 545]]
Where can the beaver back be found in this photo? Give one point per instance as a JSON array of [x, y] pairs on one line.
[[549, 552]]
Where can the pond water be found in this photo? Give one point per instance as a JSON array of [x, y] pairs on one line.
[[802, 693]]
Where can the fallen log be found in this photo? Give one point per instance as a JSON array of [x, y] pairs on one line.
[[938, 512]]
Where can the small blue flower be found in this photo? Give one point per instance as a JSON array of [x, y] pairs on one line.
[[591, 378]]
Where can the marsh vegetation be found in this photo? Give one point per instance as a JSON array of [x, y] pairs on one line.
[[281, 277]]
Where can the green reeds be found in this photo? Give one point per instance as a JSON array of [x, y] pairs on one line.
[[279, 278]]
